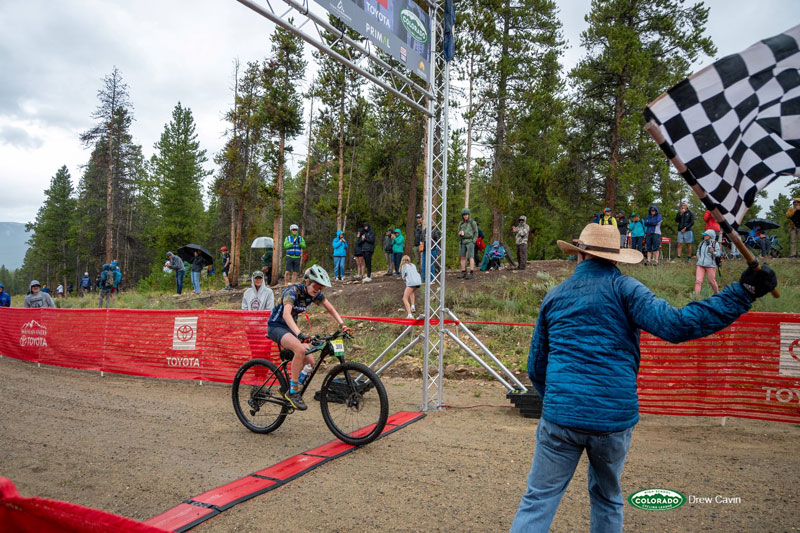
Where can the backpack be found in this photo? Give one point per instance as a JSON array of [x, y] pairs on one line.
[[104, 281], [480, 244]]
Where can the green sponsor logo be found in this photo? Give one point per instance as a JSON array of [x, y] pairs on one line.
[[656, 499], [413, 25]]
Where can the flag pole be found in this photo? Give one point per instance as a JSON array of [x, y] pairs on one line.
[[733, 236]]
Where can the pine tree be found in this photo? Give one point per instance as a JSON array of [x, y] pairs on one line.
[[636, 50], [520, 43], [53, 230], [178, 174], [281, 111], [241, 174], [113, 122]]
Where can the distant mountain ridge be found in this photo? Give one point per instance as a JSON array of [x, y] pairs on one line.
[[13, 238]]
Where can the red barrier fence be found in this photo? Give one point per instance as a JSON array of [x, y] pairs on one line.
[[751, 369], [40, 515], [205, 344]]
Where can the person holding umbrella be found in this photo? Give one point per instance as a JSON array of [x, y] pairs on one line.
[[198, 264], [199, 258]]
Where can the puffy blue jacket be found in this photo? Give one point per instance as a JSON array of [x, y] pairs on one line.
[[339, 246], [5, 299], [584, 355], [652, 224]]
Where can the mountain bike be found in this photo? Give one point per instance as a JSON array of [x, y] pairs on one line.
[[352, 398]]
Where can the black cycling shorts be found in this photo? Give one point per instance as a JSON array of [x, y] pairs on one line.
[[275, 332]]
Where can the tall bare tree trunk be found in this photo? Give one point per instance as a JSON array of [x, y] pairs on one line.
[[469, 132], [234, 213], [500, 131], [233, 225], [341, 160], [308, 171], [277, 225], [616, 139], [110, 194], [237, 247]]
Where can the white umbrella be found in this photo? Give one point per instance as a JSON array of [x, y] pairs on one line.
[[263, 242]]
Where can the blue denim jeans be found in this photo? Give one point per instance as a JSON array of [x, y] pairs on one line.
[[179, 274], [338, 266], [434, 255], [196, 281], [636, 243], [558, 450]]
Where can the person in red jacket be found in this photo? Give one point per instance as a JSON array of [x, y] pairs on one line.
[[711, 223]]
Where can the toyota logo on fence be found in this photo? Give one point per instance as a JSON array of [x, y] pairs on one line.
[[184, 333], [790, 349]]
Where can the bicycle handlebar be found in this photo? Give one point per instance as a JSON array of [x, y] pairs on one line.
[[321, 339]]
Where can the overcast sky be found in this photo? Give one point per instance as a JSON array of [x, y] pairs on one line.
[[54, 56]]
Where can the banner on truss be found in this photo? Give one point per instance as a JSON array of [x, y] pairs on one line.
[[400, 28]]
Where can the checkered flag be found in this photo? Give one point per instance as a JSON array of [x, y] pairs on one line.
[[736, 123]]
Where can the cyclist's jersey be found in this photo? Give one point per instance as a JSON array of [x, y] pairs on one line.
[[296, 296]]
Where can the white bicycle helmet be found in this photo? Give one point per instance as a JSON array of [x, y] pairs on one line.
[[294, 226], [318, 274]]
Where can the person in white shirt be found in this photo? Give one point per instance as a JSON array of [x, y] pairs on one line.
[[409, 274]]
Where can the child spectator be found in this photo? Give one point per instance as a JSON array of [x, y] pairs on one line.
[[707, 252], [496, 255], [409, 274]]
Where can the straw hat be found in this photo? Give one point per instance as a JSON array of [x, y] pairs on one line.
[[601, 241]]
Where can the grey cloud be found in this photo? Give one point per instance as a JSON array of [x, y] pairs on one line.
[[19, 138]]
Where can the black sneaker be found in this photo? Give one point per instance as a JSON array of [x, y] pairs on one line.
[[463, 274], [468, 276], [296, 400]]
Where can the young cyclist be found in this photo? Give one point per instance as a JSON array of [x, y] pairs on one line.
[[282, 325]]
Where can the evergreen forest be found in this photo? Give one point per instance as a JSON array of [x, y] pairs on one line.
[[529, 137]]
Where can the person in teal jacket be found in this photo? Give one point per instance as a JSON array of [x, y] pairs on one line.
[[339, 254], [636, 227], [397, 250], [584, 360]]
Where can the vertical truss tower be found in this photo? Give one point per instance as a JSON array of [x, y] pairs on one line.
[[432, 101]]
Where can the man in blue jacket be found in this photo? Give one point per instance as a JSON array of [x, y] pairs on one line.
[[5, 299], [583, 361]]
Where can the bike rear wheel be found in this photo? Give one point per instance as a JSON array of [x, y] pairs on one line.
[[355, 412], [258, 396]]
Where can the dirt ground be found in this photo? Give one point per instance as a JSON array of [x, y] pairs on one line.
[[139, 446]]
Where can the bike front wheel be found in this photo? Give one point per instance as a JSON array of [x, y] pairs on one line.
[[258, 396], [354, 403]]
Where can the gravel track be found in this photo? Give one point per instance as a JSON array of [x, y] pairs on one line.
[[138, 446]]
